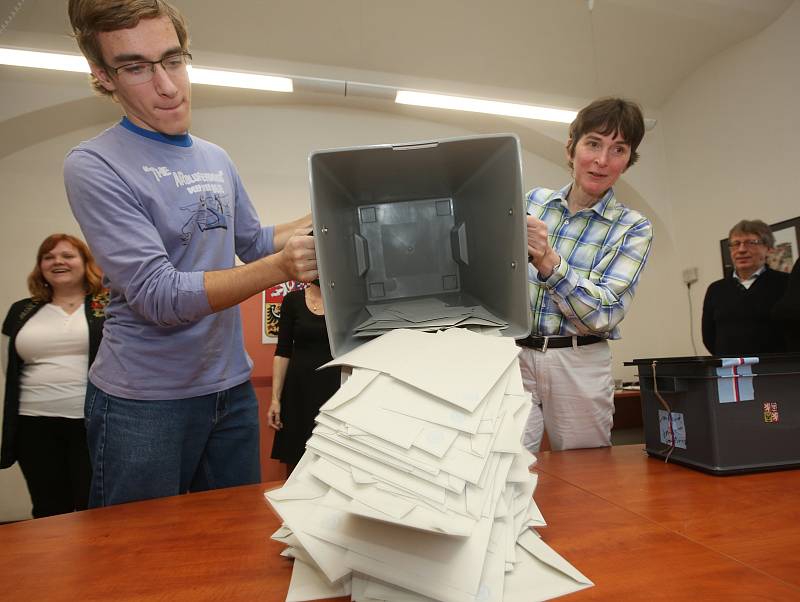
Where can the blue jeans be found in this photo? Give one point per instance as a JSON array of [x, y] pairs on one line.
[[143, 449]]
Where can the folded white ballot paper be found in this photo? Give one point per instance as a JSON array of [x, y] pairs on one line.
[[415, 486], [455, 364]]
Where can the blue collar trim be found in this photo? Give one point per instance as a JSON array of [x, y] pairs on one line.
[[184, 140]]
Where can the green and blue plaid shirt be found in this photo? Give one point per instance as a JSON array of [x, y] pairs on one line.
[[603, 250]]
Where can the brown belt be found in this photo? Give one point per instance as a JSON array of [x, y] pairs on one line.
[[542, 343]]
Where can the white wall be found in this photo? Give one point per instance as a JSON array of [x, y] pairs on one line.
[[731, 137]]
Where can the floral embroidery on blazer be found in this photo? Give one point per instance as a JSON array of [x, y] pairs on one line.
[[98, 303]]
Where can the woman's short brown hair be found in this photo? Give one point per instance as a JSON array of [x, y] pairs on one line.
[[90, 17], [39, 288], [757, 228], [609, 116]]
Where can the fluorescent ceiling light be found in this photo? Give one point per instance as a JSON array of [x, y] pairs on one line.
[[257, 81], [238, 79], [198, 75], [476, 105], [43, 60]]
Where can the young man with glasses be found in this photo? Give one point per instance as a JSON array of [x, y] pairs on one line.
[[737, 311], [169, 406]]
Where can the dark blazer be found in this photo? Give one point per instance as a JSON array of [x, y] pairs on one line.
[[787, 311], [17, 317]]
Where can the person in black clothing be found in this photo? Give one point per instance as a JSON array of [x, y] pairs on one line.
[[787, 311], [298, 388], [737, 311], [53, 338]]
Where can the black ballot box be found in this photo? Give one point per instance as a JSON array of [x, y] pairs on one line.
[[722, 415], [439, 219]]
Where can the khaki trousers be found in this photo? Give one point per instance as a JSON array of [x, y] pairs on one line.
[[572, 390]]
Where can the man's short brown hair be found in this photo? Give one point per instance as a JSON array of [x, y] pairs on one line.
[[609, 116], [757, 228], [90, 17]]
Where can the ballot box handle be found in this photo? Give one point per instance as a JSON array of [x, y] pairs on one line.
[[414, 146], [666, 384], [362, 254]]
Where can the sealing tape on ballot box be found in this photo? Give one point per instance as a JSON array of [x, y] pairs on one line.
[[735, 379]]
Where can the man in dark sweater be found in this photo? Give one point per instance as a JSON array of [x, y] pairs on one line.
[[737, 311], [787, 311]]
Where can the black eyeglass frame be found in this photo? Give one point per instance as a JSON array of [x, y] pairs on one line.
[[183, 53], [745, 243]]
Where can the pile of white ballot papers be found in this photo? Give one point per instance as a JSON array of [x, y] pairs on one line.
[[426, 313], [415, 486]]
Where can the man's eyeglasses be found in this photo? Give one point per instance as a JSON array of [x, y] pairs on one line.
[[747, 244], [142, 72]]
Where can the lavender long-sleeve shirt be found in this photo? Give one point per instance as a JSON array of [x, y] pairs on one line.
[[157, 212]]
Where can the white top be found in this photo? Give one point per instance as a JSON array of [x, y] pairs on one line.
[[749, 282], [55, 348]]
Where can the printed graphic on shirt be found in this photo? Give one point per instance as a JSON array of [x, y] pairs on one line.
[[209, 210], [209, 213]]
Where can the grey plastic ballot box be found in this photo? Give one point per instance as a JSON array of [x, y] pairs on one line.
[[723, 419], [444, 219]]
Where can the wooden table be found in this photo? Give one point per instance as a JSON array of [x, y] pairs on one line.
[[642, 530], [645, 530]]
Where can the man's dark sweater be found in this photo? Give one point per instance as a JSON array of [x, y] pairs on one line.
[[787, 311], [738, 321]]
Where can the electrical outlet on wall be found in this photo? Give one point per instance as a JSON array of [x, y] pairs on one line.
[[690, 275]]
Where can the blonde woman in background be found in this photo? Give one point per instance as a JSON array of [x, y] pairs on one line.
[[49, 341]]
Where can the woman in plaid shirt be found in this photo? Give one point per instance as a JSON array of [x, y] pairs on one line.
[[587, 251]]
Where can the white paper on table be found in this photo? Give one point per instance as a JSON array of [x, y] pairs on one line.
[[419, 517], [544, 553], [512, 427], [330, 428], [289, 540], [293, 511], [406, 557], [380, 590], [366, 420], [532, 517], [404, 480], [341, 479], [416, 402], [381, 466], [498, 478], [435, 439], [309, 584], [397, 396], [525, 511], [300, 554], [350, 388], [359, 586], [520, 468], [426, 470], [515, 385], [541, 575], [364, 412], [282, 534], [456, 365], [508, 522], [478, 494]]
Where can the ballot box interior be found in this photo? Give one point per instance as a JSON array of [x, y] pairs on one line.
[[442, 219], [724, 415]]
